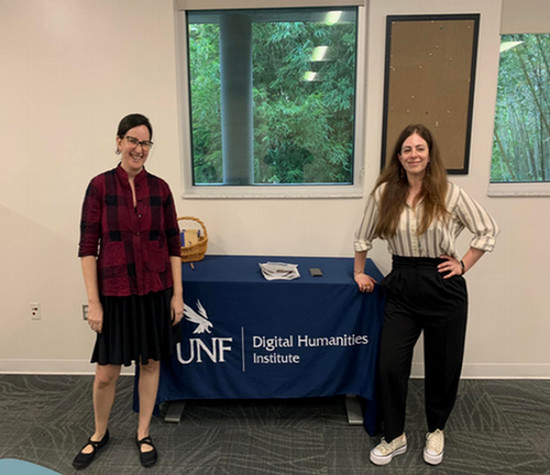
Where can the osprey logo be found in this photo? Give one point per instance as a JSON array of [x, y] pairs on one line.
[[201, 318], [202, 348]]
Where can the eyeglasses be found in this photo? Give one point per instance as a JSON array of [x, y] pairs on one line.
[[146, 144]]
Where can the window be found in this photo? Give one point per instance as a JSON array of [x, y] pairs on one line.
[[270, 102], [521, 142]]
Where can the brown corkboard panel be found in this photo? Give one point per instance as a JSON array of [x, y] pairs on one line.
[[429, 79]]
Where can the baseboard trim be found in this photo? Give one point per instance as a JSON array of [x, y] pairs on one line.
[[469, 370], [80, 367], [495, 371]]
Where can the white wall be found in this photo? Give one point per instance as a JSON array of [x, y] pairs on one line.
[[72, 68]]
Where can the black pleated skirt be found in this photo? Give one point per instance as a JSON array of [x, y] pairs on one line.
[[135, 328]]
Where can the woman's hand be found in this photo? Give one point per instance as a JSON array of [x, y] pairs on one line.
[[451, 266], [176, 307], [365, 283], [95, 316]]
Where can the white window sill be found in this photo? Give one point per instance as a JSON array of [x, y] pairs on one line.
[[274, 192], [519, 189]]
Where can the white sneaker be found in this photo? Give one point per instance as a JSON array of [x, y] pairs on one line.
[[384, 452], [435, 444]]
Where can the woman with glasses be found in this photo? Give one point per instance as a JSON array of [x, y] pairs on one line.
[[420, 214], [130, 255]]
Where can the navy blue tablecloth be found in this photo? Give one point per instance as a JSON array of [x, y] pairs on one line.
[[246, 337]]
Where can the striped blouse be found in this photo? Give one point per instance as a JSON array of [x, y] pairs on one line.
[[440, 237]]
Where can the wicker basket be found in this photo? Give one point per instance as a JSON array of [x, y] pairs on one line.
[[194, 252]]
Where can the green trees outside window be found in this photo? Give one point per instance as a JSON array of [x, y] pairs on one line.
[[302, 89], [521, 145]]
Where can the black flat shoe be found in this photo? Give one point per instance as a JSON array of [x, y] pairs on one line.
[[148, 459], [82, 460]]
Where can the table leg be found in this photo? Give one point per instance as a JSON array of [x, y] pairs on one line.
[[354, 410], [174, 411]]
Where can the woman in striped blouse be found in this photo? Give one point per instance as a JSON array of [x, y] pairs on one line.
[[420, 214]]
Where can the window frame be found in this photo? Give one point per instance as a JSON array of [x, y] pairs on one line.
[[192, 191], [521, 18]]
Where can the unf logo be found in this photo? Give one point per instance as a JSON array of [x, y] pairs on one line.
[[201, 318], [214, 349]]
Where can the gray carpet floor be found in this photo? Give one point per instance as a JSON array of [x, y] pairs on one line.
[[497, 427]]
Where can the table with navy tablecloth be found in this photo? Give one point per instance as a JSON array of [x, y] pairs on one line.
[[245, 337]]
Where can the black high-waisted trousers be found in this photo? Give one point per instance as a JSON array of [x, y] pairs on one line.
[[419, 299]]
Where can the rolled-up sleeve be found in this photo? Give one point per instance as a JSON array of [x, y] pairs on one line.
[[478, 221], [90, 222], [365, 233]]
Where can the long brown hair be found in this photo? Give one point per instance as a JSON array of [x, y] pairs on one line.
[[394, 196]]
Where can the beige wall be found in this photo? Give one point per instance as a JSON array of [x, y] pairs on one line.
[[72, 68]]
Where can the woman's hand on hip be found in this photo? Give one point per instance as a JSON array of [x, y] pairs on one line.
[[365, 283], [450, 267]]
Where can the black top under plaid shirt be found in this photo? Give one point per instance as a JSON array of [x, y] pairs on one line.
[[133, 245]]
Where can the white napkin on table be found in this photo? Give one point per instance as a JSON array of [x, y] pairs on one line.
[[279, 271]]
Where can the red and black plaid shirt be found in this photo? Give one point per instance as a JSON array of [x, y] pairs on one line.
[[133, 245]]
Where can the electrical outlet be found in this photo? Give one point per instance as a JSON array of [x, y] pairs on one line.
[[85, 312], [35, 311]]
